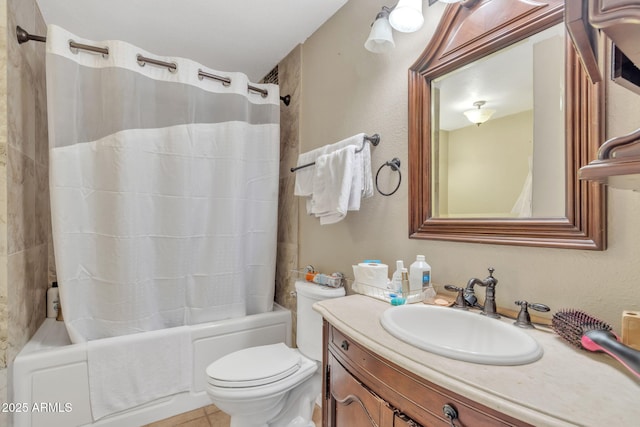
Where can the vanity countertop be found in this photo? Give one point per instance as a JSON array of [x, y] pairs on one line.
[[566, 387]]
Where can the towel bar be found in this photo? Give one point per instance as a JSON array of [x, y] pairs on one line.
[[373, 139]]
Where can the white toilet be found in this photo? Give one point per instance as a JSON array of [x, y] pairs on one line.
[[274, 385]]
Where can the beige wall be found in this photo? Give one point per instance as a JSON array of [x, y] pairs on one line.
[[346, 90], [24, 186], [487, 165]]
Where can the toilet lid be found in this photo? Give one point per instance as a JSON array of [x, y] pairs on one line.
[[254, 366]]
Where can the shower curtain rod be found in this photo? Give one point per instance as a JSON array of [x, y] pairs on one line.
[[23, 36], [373, 139]]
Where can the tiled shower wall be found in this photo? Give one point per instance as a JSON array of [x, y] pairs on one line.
[[287, 258], [24, 186]]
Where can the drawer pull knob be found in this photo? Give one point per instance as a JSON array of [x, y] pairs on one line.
[[451, 413], [345, 345]]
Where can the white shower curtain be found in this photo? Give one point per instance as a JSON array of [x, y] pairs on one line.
[[163, 190]]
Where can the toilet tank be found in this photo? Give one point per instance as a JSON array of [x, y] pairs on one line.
[[309, 322]]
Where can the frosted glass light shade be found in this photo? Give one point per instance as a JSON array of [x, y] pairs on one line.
[[381, 36], [407, 17], [479, 115]]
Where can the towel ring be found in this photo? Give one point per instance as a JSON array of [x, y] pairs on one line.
[[394, 164]]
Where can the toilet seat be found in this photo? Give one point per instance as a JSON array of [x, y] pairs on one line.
[[254, 366]]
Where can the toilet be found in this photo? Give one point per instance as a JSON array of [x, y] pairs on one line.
[[275, 385]]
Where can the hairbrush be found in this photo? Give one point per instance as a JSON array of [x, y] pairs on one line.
[[584, 331]]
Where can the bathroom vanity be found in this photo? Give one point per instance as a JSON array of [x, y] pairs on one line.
[[395, 396], [374, 379]]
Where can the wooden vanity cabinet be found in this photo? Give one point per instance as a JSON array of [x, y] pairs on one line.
[[588, 22], [361, 389], [619, 20]]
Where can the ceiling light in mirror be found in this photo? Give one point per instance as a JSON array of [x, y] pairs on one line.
[[478, 115], [406, 16]]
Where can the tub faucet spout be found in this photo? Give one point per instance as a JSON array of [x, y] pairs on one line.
[[489, 283]]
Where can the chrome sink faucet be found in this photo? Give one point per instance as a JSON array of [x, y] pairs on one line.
[[489, 283]]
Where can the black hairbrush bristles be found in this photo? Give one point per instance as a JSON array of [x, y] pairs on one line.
[[571, 324], [587, 332]]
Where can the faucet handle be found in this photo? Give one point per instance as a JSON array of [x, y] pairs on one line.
[[490, 280], [539, 307], [460, 301], [524, 319]]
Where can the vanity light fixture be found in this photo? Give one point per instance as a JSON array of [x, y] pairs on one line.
[[479, 116], [381, 36], [406, 16]]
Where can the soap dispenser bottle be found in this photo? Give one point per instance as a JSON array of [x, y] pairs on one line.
[[396, 279]]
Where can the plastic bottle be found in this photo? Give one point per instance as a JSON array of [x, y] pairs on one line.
[[396, 279], [334, 280], [53, 300], [420, 279], [429, 294], [405, 283], [419, 274]]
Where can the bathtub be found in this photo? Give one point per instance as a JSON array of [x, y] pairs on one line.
[[51, 383]]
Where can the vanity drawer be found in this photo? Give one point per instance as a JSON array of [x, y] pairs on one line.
[[410, 394]]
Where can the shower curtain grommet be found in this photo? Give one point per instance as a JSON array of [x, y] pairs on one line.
[[73, 50]]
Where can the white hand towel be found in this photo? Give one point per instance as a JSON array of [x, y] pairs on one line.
[[362, 187], [367, 177], [332, 185], [130, 370], [304, 177], [356, 183]]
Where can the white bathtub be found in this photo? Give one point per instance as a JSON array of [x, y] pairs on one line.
[[51, 383]]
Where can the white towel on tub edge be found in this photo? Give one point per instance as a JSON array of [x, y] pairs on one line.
[[131, 370]]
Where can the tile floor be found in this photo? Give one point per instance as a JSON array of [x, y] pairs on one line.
[[210, 416]]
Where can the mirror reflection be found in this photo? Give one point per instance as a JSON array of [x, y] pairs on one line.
[[498, 134]]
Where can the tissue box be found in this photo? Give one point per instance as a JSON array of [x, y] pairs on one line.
[[372, 274]]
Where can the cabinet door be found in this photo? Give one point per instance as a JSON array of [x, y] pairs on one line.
[[353, 405]]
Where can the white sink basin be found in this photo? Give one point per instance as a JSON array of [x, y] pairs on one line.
[[461, 335]]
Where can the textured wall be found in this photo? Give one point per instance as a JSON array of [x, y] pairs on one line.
[[349, 90], [287, 258], [4, 330], [28, 219], [24, 187]]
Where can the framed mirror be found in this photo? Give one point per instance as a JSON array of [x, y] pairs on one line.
[[501, 117]]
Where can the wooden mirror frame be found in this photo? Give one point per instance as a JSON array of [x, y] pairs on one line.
[[467, 32]]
